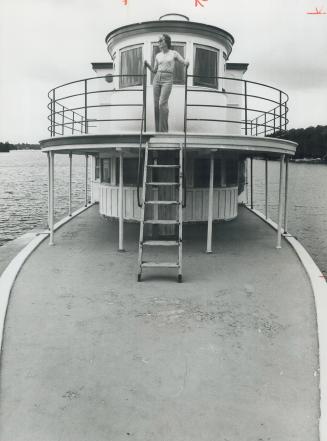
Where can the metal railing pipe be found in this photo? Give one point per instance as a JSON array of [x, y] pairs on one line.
[[70, 184], [266, 188], [86, 177], [246, 107], [286, 194], [280, 203], [85, 108], [251, 177]]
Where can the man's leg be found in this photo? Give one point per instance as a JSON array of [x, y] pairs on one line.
[[163, 106]]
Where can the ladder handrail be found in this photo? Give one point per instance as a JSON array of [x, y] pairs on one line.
[[143, 126], [185, 134]]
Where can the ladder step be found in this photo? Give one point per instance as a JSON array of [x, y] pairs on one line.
[[162, 202], [163, 166], [162, 183], [160, 265], [162, 221], [161, 243]]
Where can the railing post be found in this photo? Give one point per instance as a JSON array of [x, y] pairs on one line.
[[53, 112], [51, 198], [49, 186], [246, 107], [86, 176], [256, 126], [51, 117], [280, 111], [280, 204], [63, 121], [286, 194], [73, 124], [70, 183], [86, 129], [210, 203], [265, 124], [121, 202], [266, 188], [274, 119], [285, 123], [251, 177]]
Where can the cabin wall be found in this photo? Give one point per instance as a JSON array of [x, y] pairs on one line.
[[133, 96]]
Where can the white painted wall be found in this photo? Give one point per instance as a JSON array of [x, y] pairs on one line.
[[225, 203], [176, 102]]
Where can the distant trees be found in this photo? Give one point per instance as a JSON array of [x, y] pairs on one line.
[[6, 146], [312, 141]]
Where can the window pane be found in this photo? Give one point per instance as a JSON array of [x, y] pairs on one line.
[[217, 173], [106, 170], [131, 62], [231, 171], [202, 173], [205, 67], [129, 172], [97, 168], [179, 68]]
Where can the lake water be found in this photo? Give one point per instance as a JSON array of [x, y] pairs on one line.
[[24, 190], [24, 195]]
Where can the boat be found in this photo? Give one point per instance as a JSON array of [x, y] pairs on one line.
[[98, 340]]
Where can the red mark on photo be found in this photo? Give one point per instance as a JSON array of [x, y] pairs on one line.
[[317, 12], [125, 2], [324, 276], [199, 3]]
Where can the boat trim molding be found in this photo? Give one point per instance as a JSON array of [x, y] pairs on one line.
[[9, 275], [319, 288]]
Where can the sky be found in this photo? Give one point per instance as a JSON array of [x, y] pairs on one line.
[[45, 43]]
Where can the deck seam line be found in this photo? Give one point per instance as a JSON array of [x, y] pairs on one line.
[[9, 275], [319, 288]]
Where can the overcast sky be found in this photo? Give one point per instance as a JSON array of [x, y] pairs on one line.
[[44, 43]]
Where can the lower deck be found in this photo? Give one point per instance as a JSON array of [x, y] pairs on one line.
[[230, 354]]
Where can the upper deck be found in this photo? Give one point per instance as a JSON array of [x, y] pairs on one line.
[[209, 99]]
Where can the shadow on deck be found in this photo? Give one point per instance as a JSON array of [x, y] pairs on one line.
[[230, 354]]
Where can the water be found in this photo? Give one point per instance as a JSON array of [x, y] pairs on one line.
[[24, 195], [307, 203], [24, 190]]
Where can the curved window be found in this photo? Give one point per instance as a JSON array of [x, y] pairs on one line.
[[179, 76], [205, 67], [131, 65]]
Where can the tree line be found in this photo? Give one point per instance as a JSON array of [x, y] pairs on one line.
[[312, 141], [7, 146]]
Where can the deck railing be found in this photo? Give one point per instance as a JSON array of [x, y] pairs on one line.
[[260, 110]]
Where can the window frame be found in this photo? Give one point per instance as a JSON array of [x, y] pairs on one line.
[[173, 43], [102, 170], [211, 49], [139, 80]]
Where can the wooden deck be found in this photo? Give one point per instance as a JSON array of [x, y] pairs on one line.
[[231, 354]]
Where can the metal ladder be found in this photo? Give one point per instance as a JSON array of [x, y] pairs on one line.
[[149, 199]]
